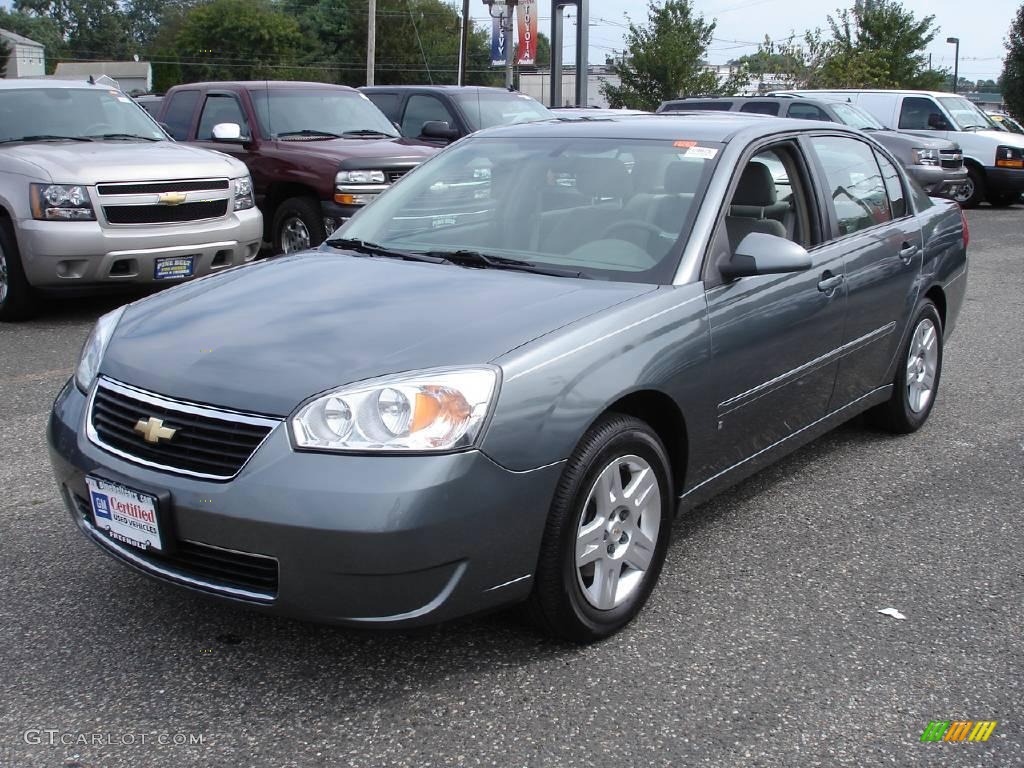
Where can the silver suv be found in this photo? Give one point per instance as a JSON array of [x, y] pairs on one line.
[[93, 193]]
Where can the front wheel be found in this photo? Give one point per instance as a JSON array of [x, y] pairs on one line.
[[917, 376], [298, 225], [16, 296], [971, 191], [607, 532]]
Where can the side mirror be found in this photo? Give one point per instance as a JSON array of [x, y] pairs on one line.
[[438, 130], [228, 132], [938, 123], [762, 254]]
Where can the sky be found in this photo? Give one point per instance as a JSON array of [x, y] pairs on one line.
[[981, 26]]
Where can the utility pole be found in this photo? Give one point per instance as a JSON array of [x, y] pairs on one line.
[[464, 43], [371, 41], [509, 47]]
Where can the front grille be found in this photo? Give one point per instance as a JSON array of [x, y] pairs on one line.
[[394, 175], [207, 442], [951, 160], [165, 214], [157, 187], [210, 565]]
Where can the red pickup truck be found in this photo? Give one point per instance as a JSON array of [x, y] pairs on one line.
[[317, 152]]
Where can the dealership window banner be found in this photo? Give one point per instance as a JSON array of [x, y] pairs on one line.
[[527, 32]]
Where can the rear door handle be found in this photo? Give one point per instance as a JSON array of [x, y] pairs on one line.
[[830, 282], [907, 253]]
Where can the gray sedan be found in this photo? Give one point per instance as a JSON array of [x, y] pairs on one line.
[[504, 380]]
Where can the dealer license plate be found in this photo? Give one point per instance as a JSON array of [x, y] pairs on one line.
[[124, 514], [171, 267]]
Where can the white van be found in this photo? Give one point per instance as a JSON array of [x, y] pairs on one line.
[[994, 157]]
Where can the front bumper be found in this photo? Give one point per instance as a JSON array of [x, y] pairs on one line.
[[358, 540], [70, 254], [1004, 180], [938, 181]]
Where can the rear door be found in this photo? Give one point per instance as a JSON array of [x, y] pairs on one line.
[[873, 226]]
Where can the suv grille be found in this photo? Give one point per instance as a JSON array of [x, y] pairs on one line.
[[213, 566], [953, 160], [165, 214], [207, 442], [157, 187]]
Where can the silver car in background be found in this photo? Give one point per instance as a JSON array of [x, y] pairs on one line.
[[93, 192]]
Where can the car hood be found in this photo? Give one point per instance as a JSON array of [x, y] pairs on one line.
[[352, 153], [917, 141], [264, 337], [105, 161]]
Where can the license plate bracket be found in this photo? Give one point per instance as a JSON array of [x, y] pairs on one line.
[[128, 515], [174, 267]]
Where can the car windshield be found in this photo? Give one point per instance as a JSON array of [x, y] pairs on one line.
[[485, 109], [613, 209], [1008, 123], [307, 113], [88, 113], [966, 115], [855, 117]]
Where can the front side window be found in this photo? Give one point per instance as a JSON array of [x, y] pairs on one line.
[[921, 114], [854, 183], [94, 113], [567, 204], [485, 109], [305, 114], [220, 108], [424, 109]]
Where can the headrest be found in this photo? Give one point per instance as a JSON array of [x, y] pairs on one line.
[[603, 177], [756, 187], [682, 177]]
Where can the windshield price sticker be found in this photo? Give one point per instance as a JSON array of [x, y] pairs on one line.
[[702, 153]]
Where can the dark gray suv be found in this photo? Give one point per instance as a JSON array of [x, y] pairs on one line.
[[936, 164]]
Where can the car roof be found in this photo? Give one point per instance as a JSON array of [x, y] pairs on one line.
[[47, 82], [259, 85], [425, 88], [668, 126], [788, 99], [869, 90]]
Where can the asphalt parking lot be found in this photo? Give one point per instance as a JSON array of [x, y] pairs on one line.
[[762, 646]]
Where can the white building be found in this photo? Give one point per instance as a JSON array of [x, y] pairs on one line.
[[538, 85], [130, 75], [27, 57]]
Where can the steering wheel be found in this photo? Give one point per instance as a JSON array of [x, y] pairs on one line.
[[632, 224], [98, 129]]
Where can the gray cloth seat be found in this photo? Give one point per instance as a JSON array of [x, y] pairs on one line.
[[754, 195], [667, 209], [604, 186]]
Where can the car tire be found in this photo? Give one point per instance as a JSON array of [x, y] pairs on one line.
[[1003, 199], [16, 295], [972, 191], [298, 225], [623, 538], [920, 363]]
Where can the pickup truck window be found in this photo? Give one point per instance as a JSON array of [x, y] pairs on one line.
[[421, 109], [178, 115], [854, 183], [221, 108], [305, 114], [484, 109]]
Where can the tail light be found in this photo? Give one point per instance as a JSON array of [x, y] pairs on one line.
[[967, 230]]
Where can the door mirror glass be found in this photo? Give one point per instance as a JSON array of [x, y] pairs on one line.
[[763, 254], [231, 132], [438, 129]]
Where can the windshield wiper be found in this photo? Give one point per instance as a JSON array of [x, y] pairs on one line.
[[48, 137], [368, 132], [112, 136], [373, 249], [310, 132], [467, 258]]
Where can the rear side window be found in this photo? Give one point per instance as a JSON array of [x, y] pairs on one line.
[[761, 107], [388, 103], [178, 116], [808, 112], [221, 108], [854, 183], [893, 187]]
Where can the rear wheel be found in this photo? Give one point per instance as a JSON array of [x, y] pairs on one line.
[[971, 191], [298, 225], [607, 533], [16, 299]]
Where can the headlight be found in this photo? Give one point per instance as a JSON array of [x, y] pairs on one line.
[[95, 346], [359, 177], [926, 157], [1009, 157], [424, 411], [243, 194], [61, 202]]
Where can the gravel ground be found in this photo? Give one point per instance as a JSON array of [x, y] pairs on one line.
[[762, 646]]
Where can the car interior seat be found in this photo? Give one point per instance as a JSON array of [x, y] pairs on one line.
[[754, 196]]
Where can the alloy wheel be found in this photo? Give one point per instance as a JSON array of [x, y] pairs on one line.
[[4, 284], [618, 532], [922, 364], [965, 191], [294, 235]]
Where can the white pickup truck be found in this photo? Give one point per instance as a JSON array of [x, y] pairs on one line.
[[94, 193]]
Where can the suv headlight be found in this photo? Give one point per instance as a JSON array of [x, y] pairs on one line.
[[1009, 157], [61, 202], [244, 197], [439, 410], [926, 157], [95, 346], [359, 177]]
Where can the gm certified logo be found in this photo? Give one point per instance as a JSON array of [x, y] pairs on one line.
[[153, 430]]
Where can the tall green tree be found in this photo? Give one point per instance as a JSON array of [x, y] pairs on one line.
[[93, 30], [665, 58], [1013, 67]]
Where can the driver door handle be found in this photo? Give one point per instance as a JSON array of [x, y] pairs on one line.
[[830, 282], [907, 253]]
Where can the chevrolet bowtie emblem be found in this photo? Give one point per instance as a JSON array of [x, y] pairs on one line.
[[153, 430], [171, 198]]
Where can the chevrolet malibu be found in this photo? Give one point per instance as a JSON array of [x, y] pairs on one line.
[[505, 379]]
